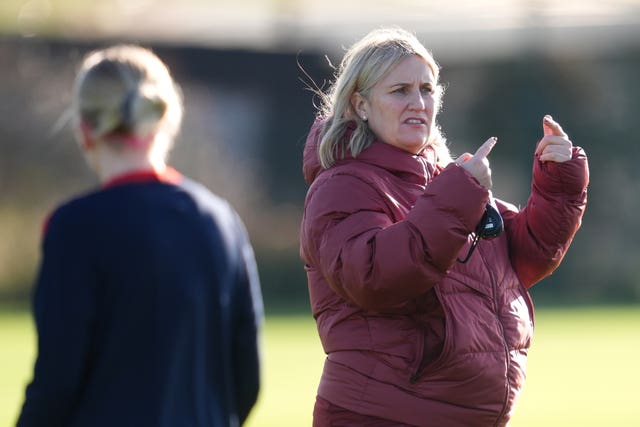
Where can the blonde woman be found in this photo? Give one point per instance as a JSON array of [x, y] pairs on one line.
[[424, 322], [147, 303]]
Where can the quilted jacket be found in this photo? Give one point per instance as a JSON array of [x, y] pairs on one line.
[[411, 334]]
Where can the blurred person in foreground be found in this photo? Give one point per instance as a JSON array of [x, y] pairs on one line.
[[415, 335], [147, 305]]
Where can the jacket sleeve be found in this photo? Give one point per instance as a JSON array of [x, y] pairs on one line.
[[540, 234], [64, 311], [376, 262], [248, 319]]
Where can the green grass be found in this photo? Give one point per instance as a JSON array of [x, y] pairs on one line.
[[583, 369], [17, 349]]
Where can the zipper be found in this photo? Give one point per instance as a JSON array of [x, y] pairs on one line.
[[418, 373], [420, 370], [494, 287]]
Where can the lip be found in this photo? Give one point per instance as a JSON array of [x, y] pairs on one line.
[[415, 121]]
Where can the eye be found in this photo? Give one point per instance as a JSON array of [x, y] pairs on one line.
[[427, 89], [400, 90]]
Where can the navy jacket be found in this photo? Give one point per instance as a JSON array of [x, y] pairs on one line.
[[147, 309]]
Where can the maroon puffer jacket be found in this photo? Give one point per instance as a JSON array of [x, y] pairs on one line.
[[411, 334]]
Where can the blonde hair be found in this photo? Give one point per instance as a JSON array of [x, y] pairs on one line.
[[364, 65], [126, 90]]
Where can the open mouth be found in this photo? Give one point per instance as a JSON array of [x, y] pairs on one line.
[[415, 121]]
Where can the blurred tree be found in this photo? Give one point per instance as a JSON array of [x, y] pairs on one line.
[[247, 114]]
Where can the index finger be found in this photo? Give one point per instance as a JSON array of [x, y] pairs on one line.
[[484, 150]]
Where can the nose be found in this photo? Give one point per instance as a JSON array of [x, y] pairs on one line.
[[416, 101]]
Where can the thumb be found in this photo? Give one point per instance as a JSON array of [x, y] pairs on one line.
[[551, 127]]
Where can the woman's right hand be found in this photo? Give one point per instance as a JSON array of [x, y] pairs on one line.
[[478, 164]]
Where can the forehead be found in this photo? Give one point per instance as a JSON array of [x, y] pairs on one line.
[[410, 69]]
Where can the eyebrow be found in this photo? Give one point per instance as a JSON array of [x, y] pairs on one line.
[[429, 83]]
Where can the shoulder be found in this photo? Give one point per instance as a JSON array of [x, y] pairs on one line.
[[216, 211], [73, 217], [73, 210], [348, 186], [351, 173], [207, 202], [506, 208]]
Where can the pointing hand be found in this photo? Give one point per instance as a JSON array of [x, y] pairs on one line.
[[478, 164], [555, 145]]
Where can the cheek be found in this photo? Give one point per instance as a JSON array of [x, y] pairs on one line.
[[390, 112], [432, 105], [380, 115], [437, 107]]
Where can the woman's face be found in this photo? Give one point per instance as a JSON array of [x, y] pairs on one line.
[[400, 109]]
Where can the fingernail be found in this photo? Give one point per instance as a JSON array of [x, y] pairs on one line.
[[548, 118]]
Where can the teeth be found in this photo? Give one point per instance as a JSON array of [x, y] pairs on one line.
[[414, 121]]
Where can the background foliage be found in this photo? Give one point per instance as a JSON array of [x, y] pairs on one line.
[[247, 114], [248, 108]]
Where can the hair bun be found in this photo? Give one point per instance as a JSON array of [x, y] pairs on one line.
[[141, 111]]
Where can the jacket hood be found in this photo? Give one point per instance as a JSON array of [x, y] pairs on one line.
[[311, 166], [399, 162]]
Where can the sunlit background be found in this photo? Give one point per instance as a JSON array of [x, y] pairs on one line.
[[245, 68]]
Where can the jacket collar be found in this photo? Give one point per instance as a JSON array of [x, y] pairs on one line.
[[168, 175], [416, 168]]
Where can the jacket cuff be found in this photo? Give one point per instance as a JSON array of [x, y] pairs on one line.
[[454, 192], [569, 178]]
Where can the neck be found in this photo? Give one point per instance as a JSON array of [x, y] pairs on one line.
[[108, 163]]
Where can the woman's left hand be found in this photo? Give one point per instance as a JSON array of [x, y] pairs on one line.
[[555, 145]]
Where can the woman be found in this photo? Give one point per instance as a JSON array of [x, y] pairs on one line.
[[147, 304], [413, 335]]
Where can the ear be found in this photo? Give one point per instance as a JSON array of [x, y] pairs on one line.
[[360, 105], [83, 136]]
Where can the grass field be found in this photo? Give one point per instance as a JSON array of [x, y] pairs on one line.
[[584, 369]]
